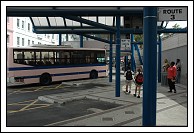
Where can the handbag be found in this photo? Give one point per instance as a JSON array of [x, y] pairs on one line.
[[173, 80]]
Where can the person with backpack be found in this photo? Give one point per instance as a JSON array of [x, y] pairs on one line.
[[138, 81], [129, 79]]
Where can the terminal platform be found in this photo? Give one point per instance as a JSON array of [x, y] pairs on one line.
[[171, 107]]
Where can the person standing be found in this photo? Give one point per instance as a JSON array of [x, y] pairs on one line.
[[171, 75], [178, 69], [138, 81], [165, 65], [129, 78]]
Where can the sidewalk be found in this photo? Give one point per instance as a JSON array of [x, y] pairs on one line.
[[171, 107]]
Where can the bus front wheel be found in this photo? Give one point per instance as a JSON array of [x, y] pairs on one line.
[[93, 74], [45, 79]]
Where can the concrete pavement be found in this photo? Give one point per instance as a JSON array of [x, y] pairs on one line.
[[171, 107]]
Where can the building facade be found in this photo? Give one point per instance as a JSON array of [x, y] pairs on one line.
[[20, 33], [175, 47], [9, 31]]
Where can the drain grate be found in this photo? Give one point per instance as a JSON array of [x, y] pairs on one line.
[[129, 112], [107, 119]]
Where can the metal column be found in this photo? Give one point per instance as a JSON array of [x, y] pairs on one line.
[[139, 55], [60, 40], [150, 66], [159, 58], [132, 55], [67, 39], [81, 41], [118, 46], [126, 63], [110, 59]]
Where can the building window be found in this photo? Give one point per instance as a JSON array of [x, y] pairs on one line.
[[28, 42], [22, 24], [18, 23], [18, 41], [22, 41], [39, 43], [53, 36], [32, 42], [28, 26]]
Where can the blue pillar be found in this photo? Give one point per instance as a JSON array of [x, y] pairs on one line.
[[118, 46], [110, 59], [159, 58], [60, 40], [81, 41], [150, 66], [139, 55], [67, 39], [132, 54], [126, 62]]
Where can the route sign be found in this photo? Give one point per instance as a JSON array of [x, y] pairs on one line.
[[172, 13]]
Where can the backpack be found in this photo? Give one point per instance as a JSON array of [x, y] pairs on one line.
[[129, 75], [139, 78]]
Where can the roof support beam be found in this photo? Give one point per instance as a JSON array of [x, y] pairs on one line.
[[96, 38], [92, 23], [34, 12], [93, 30]]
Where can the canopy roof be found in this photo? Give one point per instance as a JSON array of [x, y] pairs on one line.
[[75, 19]]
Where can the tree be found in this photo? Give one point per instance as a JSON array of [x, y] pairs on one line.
[[139, 38]]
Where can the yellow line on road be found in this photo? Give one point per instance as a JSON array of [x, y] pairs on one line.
[[55, 87], [25, 104], [29, 105], [23, 101], [15, 91], [39, 88], [15, 111]]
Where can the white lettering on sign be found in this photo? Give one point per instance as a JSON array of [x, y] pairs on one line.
[[172, 14]]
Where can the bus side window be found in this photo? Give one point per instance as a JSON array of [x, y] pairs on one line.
[[40, 63], [31, 63], [48, 63]]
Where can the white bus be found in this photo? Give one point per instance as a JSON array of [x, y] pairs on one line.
[[26, 65]]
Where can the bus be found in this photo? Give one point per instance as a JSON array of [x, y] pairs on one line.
[[46, 64]]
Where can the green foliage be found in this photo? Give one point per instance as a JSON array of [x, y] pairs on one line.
[[176, 26], [138, 37]]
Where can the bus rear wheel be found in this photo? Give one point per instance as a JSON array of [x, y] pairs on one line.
[[45, 79], [93, 74]]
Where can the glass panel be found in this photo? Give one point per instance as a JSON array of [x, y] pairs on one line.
[[92, 18], [69, 22], [59, 21], [101, 57], [75, 23], [38, 59], [109, 21], [29, 57], [18, 57], [43, 21], [101, 20], [122, 21], [52, 21], [36, 21]]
